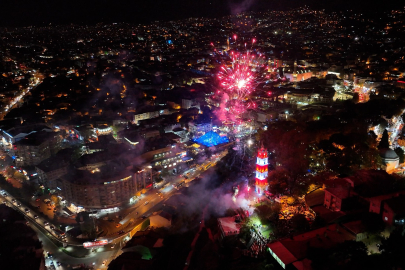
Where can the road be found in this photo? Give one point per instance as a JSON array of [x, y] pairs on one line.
[[102, 256], [94, 259], [37, 80], [35, 218]]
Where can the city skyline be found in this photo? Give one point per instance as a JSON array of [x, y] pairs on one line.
[[26, 13], [270, 139]]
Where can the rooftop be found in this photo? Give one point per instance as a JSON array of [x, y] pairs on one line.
[[37, 138], [229, 226], [293, 249]]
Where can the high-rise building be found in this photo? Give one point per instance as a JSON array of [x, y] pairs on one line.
[[261, 170]]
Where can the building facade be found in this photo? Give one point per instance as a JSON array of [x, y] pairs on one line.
[[98, 191], [36, 147]]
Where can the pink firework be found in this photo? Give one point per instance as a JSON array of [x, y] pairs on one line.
[[238, 82]]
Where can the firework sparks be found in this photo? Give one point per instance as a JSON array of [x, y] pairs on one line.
[[238, 82]]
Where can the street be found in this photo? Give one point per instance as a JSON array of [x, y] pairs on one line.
[[100, 257]]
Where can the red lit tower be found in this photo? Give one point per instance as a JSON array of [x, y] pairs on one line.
[[261, 170]]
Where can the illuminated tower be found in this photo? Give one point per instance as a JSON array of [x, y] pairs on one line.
[[261, 170]]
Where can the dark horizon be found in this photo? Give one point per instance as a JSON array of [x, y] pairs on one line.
[[43, 12]]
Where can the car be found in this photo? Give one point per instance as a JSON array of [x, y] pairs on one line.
[[121, 232], [143, 217], [37, 200], [13, 200], [18, 204], [118, 225], [146, 202], [52, 227], [49, 254], [27, 210], [49, 208], [38, 206], [112, 245], [46, 223], [58, 263], [36, 216]]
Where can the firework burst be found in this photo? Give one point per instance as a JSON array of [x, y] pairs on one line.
[[237, 82]]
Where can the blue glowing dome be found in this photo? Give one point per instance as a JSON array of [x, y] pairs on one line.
[[211, 138]]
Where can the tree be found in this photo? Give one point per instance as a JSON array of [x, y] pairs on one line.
[[77, 152], [382, 125], [349, 251], [245, 232], [393, 248], [278, 181], [384, 143], [341, 256], [264, 212], [88, 228]]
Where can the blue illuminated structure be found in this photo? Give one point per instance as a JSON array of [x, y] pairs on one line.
[[211, 138]]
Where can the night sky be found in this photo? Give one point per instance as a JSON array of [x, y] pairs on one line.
[[37, 12]]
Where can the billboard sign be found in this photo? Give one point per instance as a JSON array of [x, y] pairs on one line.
[[95, 244]]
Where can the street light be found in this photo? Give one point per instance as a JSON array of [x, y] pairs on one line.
[[151, 179]]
